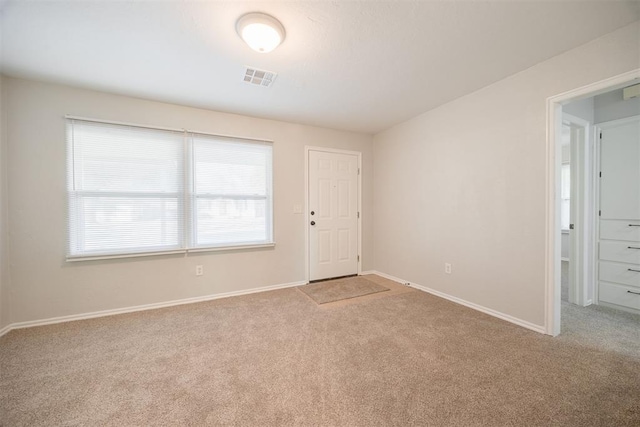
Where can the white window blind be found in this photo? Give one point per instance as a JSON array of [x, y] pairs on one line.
[[126, 189], [231, 198], [134, 190]]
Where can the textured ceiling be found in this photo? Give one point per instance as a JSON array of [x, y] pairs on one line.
[[361, 66]]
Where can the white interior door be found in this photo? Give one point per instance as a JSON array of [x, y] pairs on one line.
[[581, 222], [573, 211], [333, 214]]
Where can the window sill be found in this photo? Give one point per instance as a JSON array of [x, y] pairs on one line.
[[231, 248], [173, 252]]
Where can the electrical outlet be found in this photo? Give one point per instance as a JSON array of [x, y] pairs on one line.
[[447, 268], [199, 270], [407, 284]]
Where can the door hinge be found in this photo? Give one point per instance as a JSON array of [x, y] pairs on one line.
[[599, 213], [358, 171], [358, 214], [600, 174], [600, 135], [358, 258]]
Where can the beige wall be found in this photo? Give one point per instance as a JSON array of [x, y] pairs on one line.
[[465, 183], [43, 285], [4, 282]]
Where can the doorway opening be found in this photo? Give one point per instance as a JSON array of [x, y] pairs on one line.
[[575, 267]]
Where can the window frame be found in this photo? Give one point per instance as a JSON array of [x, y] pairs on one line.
[[187, 221]]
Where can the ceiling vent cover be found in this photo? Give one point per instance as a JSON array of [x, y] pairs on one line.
[[257, 77]]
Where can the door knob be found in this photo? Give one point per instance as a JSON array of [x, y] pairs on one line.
[[313, 223]]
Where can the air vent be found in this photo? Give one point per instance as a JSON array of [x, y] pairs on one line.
[[258, 77], [631, 92]]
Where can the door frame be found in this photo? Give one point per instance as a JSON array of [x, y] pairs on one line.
[[307, 216], [553, 166]]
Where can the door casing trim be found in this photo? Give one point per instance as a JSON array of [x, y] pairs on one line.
[[307, 217]]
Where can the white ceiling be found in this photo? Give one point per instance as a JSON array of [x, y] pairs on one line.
[[361, 66]]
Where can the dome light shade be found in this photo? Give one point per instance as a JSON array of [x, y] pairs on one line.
[[261, 32]]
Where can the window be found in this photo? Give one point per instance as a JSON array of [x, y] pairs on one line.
[[136, 190], [231, 198], [565, 196]]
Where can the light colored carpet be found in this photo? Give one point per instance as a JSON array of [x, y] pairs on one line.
[[598, 326], [601, 327], [341, 289], [278, 359]]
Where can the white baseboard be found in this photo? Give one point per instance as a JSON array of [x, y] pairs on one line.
[[193, 300], [489, 311], [5, 330], [144, 307]]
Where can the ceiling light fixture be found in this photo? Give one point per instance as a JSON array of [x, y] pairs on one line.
[[260, 31]]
